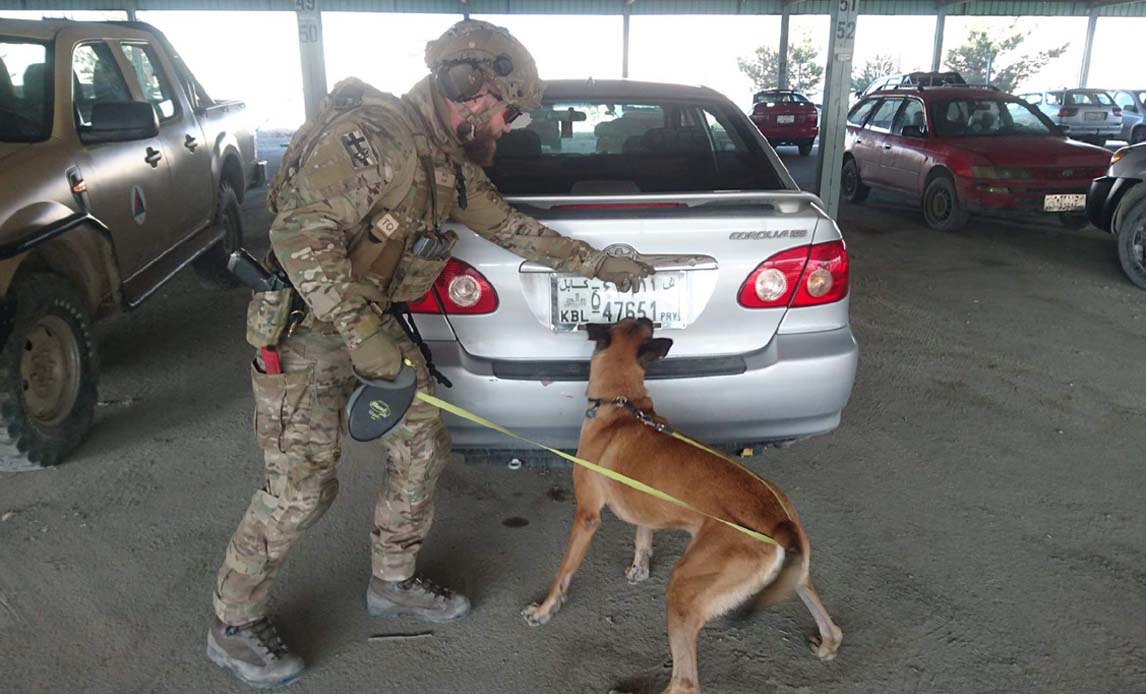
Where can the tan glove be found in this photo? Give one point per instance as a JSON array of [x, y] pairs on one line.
[[376, 356], [626, 273]]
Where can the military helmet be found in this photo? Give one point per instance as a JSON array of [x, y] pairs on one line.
[[473, 52]]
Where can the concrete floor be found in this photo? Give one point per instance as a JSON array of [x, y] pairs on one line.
[[976, 522]]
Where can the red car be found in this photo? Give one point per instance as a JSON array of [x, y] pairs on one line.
[[962, 150], [785, 117]]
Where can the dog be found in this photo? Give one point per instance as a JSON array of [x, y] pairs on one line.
[[722, 567]]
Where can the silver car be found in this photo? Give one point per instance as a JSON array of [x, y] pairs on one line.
[[751, 279], [1133, 105], [1088, 115]]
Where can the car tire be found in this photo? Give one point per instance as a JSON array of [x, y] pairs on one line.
[[852, 188], [211, 266], [1130, 225], [48, 374], [1073, 220], [1138, 134], [941, 207], [805, 148]]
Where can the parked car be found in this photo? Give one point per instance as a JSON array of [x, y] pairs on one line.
[[116, 170], [1133, 105], [912, 79], [751, 283], [961, 150], [1117, 204], [786, 117], [1089, 115]]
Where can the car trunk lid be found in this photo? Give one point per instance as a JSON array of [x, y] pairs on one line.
[[704, 246]]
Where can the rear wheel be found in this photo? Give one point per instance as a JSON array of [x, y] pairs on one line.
[[941, 208], [805, 148], [212, 265], [1130, 223], [851, 186], [48, 374]]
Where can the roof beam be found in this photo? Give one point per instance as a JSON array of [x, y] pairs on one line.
[[944, 4], [1094, 4]]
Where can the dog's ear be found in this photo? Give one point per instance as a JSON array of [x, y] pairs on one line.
[[601, 333], [652, 350]]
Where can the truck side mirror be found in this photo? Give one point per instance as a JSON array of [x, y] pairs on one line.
[[120, 121]]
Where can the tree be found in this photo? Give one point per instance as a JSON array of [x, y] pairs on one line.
[[996, 59], [804, 69], [879, 66]]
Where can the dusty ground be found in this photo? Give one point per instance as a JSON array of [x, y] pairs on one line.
[[976, 522]]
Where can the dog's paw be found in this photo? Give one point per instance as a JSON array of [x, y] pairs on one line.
[[534, 616], [826, 650], [637, 573]]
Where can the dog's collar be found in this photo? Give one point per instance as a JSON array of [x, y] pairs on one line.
[[624, 403]]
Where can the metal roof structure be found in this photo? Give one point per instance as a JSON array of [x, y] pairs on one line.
[[951, 8]]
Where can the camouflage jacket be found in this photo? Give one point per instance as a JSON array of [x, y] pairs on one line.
[[361, 168]]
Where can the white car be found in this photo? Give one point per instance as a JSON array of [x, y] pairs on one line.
[[751, 282]]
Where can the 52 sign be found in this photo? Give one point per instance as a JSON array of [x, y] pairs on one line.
[[846, 20]]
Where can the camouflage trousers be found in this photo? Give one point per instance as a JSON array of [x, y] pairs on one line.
[[299, 423]]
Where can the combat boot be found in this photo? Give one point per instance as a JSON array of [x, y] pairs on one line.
[[416, 597], [254, 653]]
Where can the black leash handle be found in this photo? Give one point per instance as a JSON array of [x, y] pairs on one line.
[[401, 312]]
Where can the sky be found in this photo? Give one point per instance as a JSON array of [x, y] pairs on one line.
[[260, 61]]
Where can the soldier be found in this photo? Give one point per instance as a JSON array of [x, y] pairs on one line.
[[361, 188]]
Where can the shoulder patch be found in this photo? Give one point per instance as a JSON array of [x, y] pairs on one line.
[[358, 148]]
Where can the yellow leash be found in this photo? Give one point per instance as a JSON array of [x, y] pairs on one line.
[[615, 476]]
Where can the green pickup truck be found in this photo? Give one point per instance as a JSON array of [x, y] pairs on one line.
[[117, 170]]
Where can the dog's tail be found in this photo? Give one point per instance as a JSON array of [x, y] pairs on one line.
[[795, 568]]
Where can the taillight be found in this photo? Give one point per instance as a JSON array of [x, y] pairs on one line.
[[798, 277], [825, 278], [1117, 112], [459, 290], [812, 118], [758, 109], [1066, 112]]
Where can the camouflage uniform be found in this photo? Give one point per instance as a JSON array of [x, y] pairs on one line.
[[370, 164]]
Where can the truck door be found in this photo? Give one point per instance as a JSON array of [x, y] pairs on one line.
[[128, 183], [188, 155]]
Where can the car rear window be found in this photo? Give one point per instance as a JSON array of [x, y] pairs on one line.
[[25, 90], [613, 148], [1088, 99]]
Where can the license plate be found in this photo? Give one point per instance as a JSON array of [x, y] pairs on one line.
[[577, 301], [1095, 116], [783, 120], [1064, 203]]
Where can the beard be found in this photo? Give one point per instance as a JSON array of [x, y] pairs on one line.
[[481, 148]]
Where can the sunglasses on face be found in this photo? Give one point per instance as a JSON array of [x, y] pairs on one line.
[[512, 112]]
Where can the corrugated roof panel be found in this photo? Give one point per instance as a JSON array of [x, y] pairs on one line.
[[990, 8]]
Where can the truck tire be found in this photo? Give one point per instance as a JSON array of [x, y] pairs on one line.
[[941, 208], [212, 265], [48, 374], [853, 189], [1130, 224]]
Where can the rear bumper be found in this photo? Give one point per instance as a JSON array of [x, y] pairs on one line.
[[1108, 131], [783, 134], [795, 387]]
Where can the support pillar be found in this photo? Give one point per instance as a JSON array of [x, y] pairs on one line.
[[625, 43], [937, 51], [782, 63], [312, 54], [1092, 25], [837, 87]]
